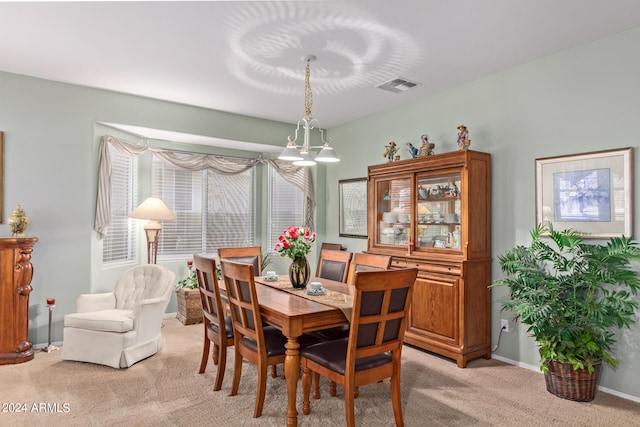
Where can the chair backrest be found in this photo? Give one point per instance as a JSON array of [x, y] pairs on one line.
[[334, 265], [243, 301], [379, 315], [333, 246], [247, 255], [143, 282], [212, 308], [367, 262]]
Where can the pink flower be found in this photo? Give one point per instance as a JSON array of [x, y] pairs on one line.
[[295, 242]]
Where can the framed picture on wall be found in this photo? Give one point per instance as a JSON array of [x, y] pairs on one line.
[[352, 195], [590, 192]]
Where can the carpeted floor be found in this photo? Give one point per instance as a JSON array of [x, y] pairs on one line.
[[166, 390]]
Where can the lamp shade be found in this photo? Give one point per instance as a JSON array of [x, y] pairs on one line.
[[290, 152], [327, 154], [307, 160], [153, 209]]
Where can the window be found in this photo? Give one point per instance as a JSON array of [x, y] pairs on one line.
[[120, 241], [286, 207], [213, 210]]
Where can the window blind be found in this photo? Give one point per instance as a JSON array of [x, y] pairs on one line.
[[120, 241], [286, 206], [213, 210]]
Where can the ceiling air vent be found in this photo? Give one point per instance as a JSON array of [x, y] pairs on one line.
[[397, 85]]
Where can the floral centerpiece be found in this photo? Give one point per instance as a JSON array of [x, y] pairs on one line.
[[295, 243]]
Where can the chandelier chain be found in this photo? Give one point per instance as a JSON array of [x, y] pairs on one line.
[[308, 96]]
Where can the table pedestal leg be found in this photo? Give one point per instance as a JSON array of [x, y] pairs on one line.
[[50, 347], [292, 371]]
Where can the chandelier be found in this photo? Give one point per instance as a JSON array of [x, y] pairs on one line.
[[304, 156]]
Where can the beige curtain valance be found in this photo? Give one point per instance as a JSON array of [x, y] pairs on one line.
[[296, 175]]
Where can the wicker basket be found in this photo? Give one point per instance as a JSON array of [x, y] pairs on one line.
[[189, 306], [565, 382]]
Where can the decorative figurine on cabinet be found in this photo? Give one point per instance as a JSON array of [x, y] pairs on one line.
[[412, 150], [463, 138], [390, 151], [426, 149]]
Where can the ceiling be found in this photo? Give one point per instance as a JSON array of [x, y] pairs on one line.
[[245, 56]]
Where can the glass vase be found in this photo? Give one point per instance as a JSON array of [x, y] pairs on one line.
[[299, 272]]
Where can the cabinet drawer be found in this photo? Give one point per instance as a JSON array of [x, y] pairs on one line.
[[430, 267]]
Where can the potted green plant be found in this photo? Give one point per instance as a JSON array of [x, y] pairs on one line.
[[573, 297]]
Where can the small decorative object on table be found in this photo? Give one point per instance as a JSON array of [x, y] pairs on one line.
[[426, 149], [390, 151], [18, 222], [316, 288], [463, 138], [295, 243]]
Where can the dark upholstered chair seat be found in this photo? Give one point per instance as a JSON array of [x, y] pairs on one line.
[[228, 323], [333, 354], [274, 341]]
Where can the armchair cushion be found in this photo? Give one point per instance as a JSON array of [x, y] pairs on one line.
[[103, 320], [95, 302]]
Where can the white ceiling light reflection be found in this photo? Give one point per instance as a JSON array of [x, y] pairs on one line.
[[268, 39]]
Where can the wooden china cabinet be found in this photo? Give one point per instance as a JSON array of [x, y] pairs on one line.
[[15, 286], [433, 213]]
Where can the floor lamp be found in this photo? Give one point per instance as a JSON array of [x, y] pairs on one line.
[[153, 209]]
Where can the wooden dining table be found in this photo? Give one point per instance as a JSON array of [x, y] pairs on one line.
[[295, 315]]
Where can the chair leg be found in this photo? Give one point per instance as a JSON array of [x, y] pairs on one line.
[[396, 399], [205, 354], [349, 406], [222, 363], [332, 389], [274, 371], [316, 385], [306, 388], [262, 388], [237, 372], [216, 353]]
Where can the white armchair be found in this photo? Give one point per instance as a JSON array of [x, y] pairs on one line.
[[122, 327]]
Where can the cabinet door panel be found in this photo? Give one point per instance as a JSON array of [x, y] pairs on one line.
[[434, 308]]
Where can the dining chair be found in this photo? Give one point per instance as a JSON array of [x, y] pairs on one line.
[[218, 327], [261, 345], [334, 265], [332, 246], [367, 262], [247, 255], [361, 262], [373, 350]]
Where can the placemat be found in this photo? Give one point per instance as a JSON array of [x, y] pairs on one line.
[[343, 302]]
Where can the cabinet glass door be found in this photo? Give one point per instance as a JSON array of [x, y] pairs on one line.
[[439, 211], [393, 211]]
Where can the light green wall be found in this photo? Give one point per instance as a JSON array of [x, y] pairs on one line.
[[51, 155], [584, 99]]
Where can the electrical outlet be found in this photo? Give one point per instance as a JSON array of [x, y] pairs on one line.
[[504, 325]]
